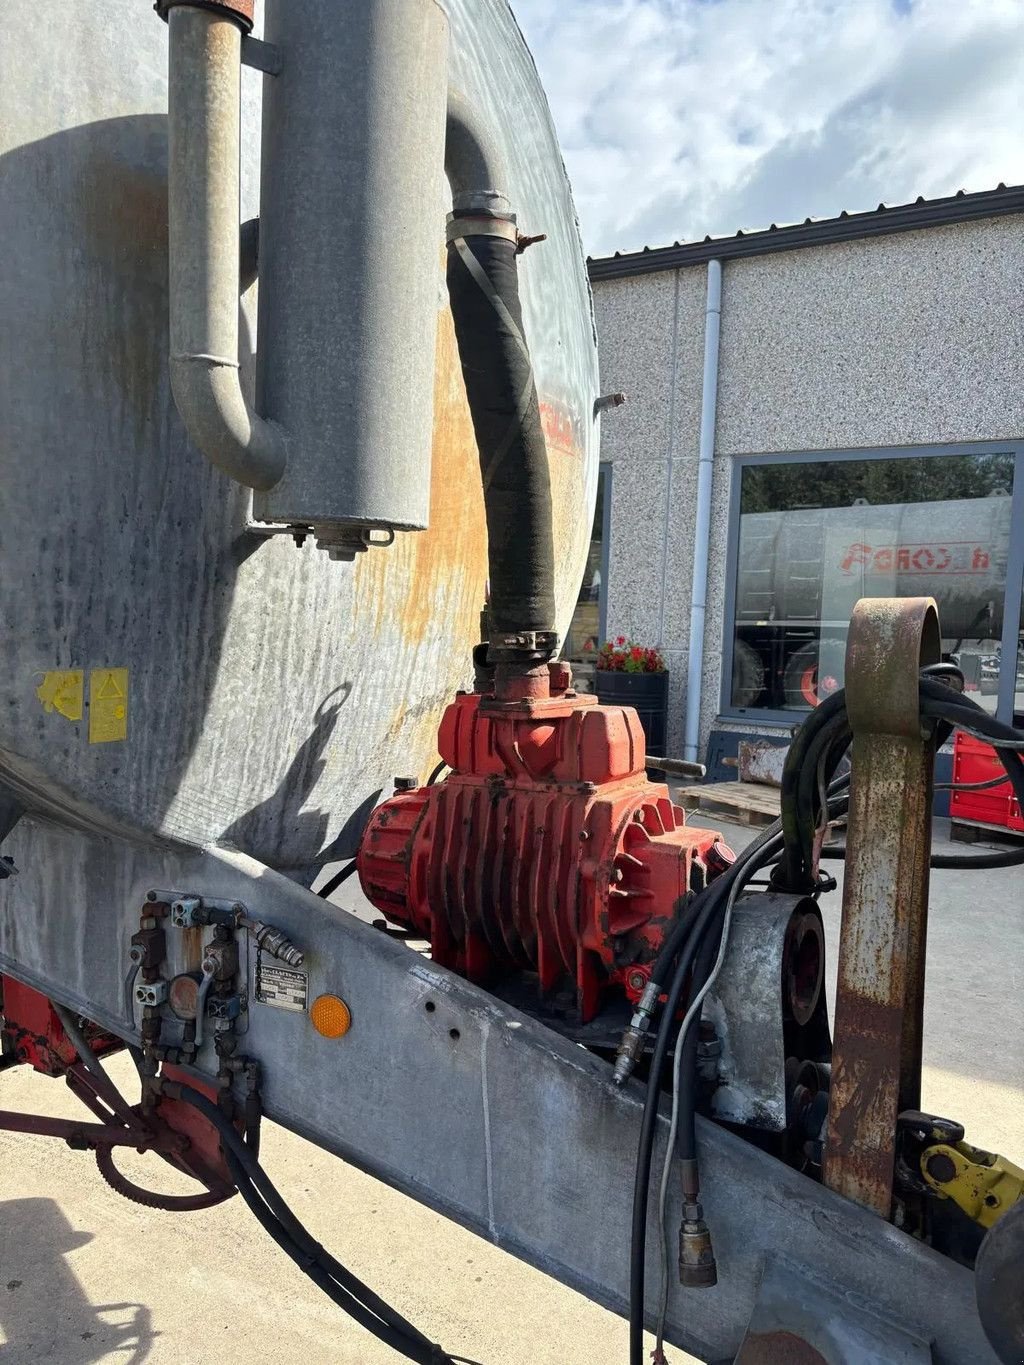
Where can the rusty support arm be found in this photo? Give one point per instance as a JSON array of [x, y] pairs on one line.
[[877, 1053]]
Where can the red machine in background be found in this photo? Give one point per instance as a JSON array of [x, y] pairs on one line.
[[545, 850], [975, 761]]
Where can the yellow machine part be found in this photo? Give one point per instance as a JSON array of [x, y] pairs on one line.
[[984, 1184]]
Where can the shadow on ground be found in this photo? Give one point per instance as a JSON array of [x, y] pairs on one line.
[[44, 1312]]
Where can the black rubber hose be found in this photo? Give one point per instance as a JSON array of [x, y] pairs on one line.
[[697, 925], [314, 1260], [329, 888], [686, 1128], [483, 288], [952, 710], [792, 872], [338, 1295]]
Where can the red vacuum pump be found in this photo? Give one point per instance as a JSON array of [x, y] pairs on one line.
[[545, 850]]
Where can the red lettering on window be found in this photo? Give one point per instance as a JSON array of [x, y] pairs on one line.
[[856, 554]]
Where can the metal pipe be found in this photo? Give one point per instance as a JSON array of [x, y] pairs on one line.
[[702, 533], [677, 767], [473, 160], [203, 243]]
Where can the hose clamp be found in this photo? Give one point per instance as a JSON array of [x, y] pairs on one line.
[[529, 641], [482, 225]]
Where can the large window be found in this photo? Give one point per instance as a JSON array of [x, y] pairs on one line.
[[588, 620], [812, 534]]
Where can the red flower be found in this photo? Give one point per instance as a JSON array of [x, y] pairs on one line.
[[620, 640]]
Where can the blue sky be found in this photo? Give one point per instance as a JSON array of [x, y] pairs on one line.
[[685, 117]]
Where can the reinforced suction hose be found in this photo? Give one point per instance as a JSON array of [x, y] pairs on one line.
[[483, 288]]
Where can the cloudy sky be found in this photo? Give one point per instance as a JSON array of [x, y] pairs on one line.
[[685, 117]]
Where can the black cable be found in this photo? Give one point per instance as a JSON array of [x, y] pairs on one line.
[[329, 888], [340, 1285], [436, 773]]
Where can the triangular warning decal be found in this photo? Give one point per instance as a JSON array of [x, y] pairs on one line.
[[108, 689]]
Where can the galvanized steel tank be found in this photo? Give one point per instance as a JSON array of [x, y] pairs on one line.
[[171, 672]]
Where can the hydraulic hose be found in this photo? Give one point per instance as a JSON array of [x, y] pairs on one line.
[[338, 1283], [648, 1129], [329, 887], [483, 288]]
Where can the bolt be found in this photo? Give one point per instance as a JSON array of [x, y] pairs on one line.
[[941, 1168]]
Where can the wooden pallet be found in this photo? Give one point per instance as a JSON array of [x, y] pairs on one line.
[[971, 831], [744, 803]]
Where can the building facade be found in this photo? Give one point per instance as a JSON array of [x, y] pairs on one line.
[[855, 387]]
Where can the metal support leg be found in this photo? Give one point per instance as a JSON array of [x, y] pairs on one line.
[[876, 1064]]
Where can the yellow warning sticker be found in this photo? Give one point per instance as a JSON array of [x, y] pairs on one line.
[[108, 705], [63, 691]]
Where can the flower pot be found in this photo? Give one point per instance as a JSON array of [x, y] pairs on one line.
[[647, 693]]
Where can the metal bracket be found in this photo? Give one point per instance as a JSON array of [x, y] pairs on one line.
[[876, 1062], [261, 56]]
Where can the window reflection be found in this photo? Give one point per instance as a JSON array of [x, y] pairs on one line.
[[815, 537]]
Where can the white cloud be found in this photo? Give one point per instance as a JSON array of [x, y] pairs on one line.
[[685, 117]]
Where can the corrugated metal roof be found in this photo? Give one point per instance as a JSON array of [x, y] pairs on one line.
[[922, 213]]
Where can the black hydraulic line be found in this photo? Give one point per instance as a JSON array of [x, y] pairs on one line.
[[793, 873], [483, 288], [648, 1129], [436, 773], [344, 1288], [311, 1268], [971, 786], [686, 1128], [952, 710], [329, 888]]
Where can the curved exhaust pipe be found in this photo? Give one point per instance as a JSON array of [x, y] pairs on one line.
[[203, 242]]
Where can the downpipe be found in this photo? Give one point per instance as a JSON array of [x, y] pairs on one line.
[[702, 533]]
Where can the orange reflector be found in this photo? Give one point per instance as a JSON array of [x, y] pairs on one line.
[[331, 1017]]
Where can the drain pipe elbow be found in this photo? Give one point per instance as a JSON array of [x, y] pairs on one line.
[[203, 245], [483, 290]]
